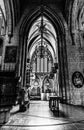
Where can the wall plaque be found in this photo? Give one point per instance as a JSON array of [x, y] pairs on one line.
[[77, 79]]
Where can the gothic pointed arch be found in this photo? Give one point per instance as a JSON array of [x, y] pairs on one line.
[[59, 24]]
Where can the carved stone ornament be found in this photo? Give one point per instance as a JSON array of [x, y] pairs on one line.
[[77, 79]]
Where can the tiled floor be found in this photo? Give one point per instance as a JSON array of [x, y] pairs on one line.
[[39, 117]]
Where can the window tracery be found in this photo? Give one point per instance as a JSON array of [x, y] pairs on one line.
[[41, 64]]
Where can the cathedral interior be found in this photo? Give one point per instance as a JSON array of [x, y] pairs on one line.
[[41, 64]]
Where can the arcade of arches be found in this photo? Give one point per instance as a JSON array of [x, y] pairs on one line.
[[42, 50]]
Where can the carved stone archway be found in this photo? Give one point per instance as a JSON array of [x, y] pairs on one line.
[[60, 27]]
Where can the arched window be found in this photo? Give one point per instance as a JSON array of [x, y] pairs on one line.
[[44, 64]]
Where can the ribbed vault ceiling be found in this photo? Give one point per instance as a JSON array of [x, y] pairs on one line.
[[49, 37]]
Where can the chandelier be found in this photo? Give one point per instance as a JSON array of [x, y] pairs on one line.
[[42, 26]]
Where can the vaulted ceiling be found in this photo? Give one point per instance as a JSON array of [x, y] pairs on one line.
[[18, 7], [27, 4], [59, 3]]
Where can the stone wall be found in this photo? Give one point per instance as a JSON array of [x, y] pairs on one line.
[[75, 53], [75, 63]]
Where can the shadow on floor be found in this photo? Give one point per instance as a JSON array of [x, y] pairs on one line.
[[60, 114]]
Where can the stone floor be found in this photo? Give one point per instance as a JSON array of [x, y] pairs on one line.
[[39, 117]]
